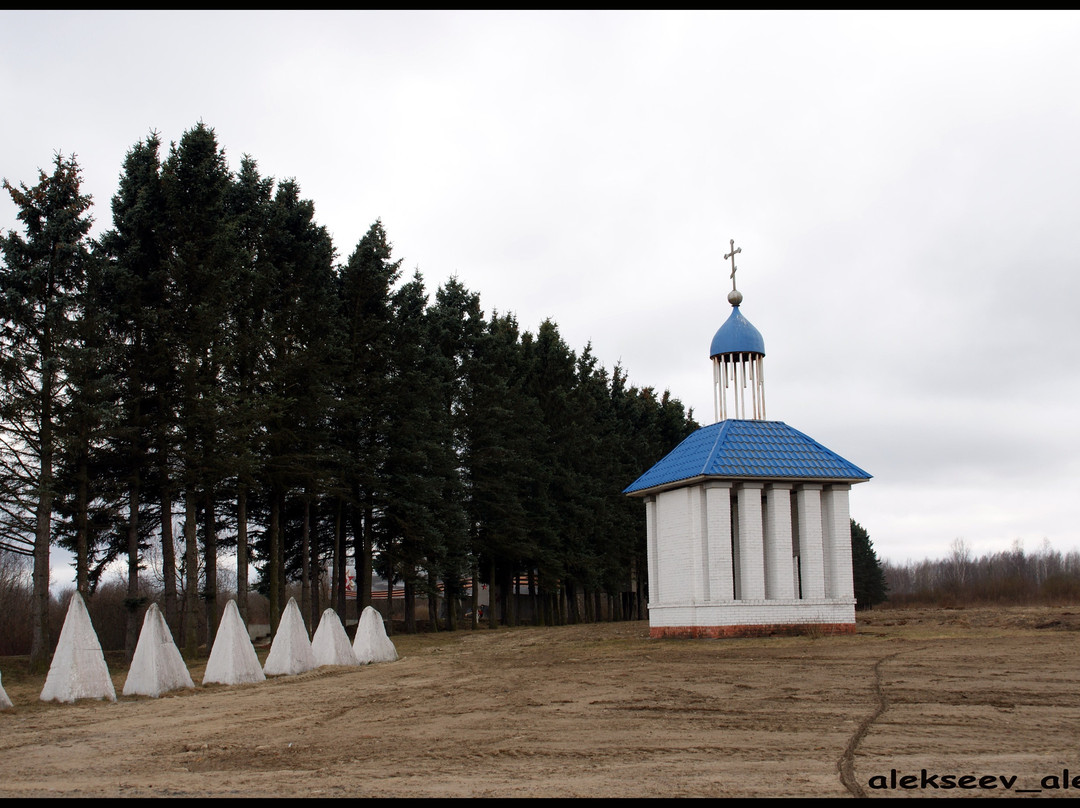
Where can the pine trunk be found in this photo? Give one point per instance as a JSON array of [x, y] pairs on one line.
[[210, 563], [492, 599], [316, 579], [409, 593], [475, 600], [513, 589], [433, 602], [451, 611], [305, 565], [283, 590], [272, 571], [337, 579], [242, 553], [534, 604], [82, 527], [363, 576], [168, 547], [40, 646], [358, 561], [132, 603], [191, 576], [168, 565]]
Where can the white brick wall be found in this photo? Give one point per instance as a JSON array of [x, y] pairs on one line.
[[673, 561], [692, 571], [753, 613]]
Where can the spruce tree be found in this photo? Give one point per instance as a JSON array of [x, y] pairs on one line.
[[42, 275], [553, 501], [130, 295], [499, 417], [201, 266], [365, 284], [456, 322], [870, 585], [250, 199], [417, 443], [90, 483], [295, 373], [600, 556]]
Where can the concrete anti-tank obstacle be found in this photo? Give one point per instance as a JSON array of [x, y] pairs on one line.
[[290, 652], [157, 666], [78, 669], [233, 660], [5, 702], [330, 645], [371, 643]]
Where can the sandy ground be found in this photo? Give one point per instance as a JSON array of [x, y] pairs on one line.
[[595, 711]]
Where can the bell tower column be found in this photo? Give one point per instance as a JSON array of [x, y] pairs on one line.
[[811, 561], [751, 543], [779, 566], [718, 519], [836, 541]]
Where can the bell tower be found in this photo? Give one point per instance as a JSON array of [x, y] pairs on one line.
[[747, 521], [738, 360]]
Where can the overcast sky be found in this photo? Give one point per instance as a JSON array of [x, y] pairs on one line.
[[904, 187]]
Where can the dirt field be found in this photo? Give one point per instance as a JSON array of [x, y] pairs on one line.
[[595, 711]]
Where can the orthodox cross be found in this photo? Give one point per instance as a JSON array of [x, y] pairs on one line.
[[731, 255]]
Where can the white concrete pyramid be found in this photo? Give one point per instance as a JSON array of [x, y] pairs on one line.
[[5, 702], [233, 660], [290, 652], [330, 645], [157, 666], [371, 643], [78, 669]]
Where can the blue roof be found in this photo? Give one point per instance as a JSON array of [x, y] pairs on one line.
[[737, 335], [748, 449]]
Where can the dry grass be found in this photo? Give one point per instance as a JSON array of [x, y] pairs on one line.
[[597, 710]]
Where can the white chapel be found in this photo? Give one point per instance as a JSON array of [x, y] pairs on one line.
[[747, 520]]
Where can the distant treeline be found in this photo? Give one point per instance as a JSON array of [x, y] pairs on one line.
[[1005, 577], [209, 362]]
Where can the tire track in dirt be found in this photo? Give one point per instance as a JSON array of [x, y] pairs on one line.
[[846, 764]]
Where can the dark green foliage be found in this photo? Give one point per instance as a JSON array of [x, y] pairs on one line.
[[363, 405], [201, 270], [870, 586], [41, 280], [455, 323], [129, 296], [501, 427], [201, 265], [293, 368], [214, 353]]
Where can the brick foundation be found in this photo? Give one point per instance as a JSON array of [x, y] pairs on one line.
[[721, 632]]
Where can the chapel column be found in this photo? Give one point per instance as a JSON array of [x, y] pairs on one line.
[[836, 541], [650, 546], [811, 557], [697, 571], [779, 566], [720, 572], [751, 543]]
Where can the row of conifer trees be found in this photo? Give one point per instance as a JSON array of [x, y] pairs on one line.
[[208, 368]]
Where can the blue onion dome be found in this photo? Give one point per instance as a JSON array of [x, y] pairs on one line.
[[737, 335]]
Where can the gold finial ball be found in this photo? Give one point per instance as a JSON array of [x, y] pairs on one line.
[[734, 297]]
